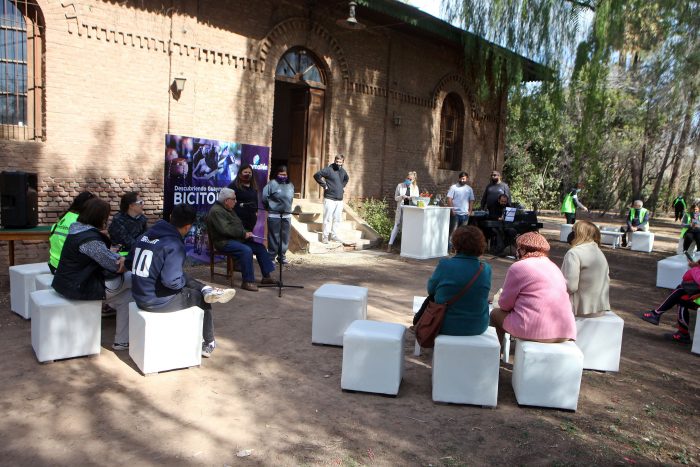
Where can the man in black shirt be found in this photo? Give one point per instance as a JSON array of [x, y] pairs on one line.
[[333, 180], [489, 201]]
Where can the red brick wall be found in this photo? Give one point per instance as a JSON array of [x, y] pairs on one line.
[[108, 70]]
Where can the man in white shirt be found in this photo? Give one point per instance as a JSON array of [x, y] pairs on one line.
[[460, 197]]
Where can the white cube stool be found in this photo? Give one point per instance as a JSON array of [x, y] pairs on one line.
[[642, 241], [564, 231], [43, 281], [63, 328], [612, 238], [417, 302], [669, 271], [691, 249], [165, 341], [696, 339], [547, 375], [22, 284], [600, 340], [335, 307], [373, 357], [465, 369]]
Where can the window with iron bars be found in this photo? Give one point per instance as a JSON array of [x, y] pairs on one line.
[[451, 132], [21, 71]]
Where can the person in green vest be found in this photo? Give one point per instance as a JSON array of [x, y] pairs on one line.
[[571, 202], [637, 219], [59, 231], [690, 227], [679, 206]]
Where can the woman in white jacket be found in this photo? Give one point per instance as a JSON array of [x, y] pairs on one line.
[[404, 191], [586, 271]]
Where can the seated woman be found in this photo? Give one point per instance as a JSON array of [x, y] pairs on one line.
[[586, 272], [89, 270], [690, 231], [534, 304], [686, 297], [468, 316]]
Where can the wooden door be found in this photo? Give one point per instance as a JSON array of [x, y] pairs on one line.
[[298, 137], [314, 145]]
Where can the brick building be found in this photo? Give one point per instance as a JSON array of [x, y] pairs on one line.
[[98, 94]]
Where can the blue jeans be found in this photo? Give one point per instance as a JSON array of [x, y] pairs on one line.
[[243, 252], [456, 221]]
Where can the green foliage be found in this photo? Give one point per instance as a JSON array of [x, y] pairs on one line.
[[376, 213]]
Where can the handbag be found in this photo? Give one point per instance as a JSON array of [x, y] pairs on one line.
[[430, 322]]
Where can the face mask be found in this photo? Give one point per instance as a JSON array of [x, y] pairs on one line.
[[407, 182], [245, 176], [282, 179]]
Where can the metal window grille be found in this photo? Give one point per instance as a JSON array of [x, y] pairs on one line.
[[21, 77], [451, 132]]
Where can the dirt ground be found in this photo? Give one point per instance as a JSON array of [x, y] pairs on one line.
[[268, 390]]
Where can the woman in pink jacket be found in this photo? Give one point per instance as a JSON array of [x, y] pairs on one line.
[[534, 304], [685, 297]]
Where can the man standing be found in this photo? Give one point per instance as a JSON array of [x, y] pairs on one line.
[[489, 201], [460, 197], [158, 282], [229, 236], [571, 202], [637, 219], [679, 206], [333, 180]]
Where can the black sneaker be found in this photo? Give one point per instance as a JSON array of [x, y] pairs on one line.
[[650, 317], [678, 337]]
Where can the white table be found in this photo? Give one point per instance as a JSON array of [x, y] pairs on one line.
[[425, 231]]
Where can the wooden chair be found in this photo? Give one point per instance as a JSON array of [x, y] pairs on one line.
[[230, 262]]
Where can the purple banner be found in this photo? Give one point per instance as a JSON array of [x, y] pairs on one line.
[[196, 169]]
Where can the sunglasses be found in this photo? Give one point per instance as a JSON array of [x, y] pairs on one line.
[[139, 202]]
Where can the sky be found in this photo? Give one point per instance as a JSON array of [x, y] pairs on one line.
[[429, 6]]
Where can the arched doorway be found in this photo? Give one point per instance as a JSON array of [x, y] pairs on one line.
[[297, 131]]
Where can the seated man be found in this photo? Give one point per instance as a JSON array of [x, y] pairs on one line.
[[158, 282], [502, 236], [690, 231], [637, 219], [229, 236], [129, 223]]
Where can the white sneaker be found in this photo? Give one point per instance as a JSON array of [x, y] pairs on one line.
[[324, 239], [336, 238], [207, 349], [217, 295]]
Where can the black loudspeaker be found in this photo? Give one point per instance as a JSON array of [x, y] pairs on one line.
[[19, 206]]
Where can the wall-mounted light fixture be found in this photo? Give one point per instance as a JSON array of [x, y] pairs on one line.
[[178, 86], [350, 22], [397, 119]]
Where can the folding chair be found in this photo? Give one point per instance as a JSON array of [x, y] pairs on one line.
[[230, 262]]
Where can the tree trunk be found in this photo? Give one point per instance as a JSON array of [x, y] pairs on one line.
[[660, 177], [680, 149]]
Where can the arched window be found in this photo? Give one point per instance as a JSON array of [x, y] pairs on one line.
[[451, 132], [299, 64], [21, 70]]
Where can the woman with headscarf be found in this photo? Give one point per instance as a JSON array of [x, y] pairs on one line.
[[534, 304], [404, 191]]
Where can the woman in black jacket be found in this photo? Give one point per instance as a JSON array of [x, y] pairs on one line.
[[89, 270]]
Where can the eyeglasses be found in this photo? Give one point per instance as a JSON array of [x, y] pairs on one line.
[[139, 201]]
